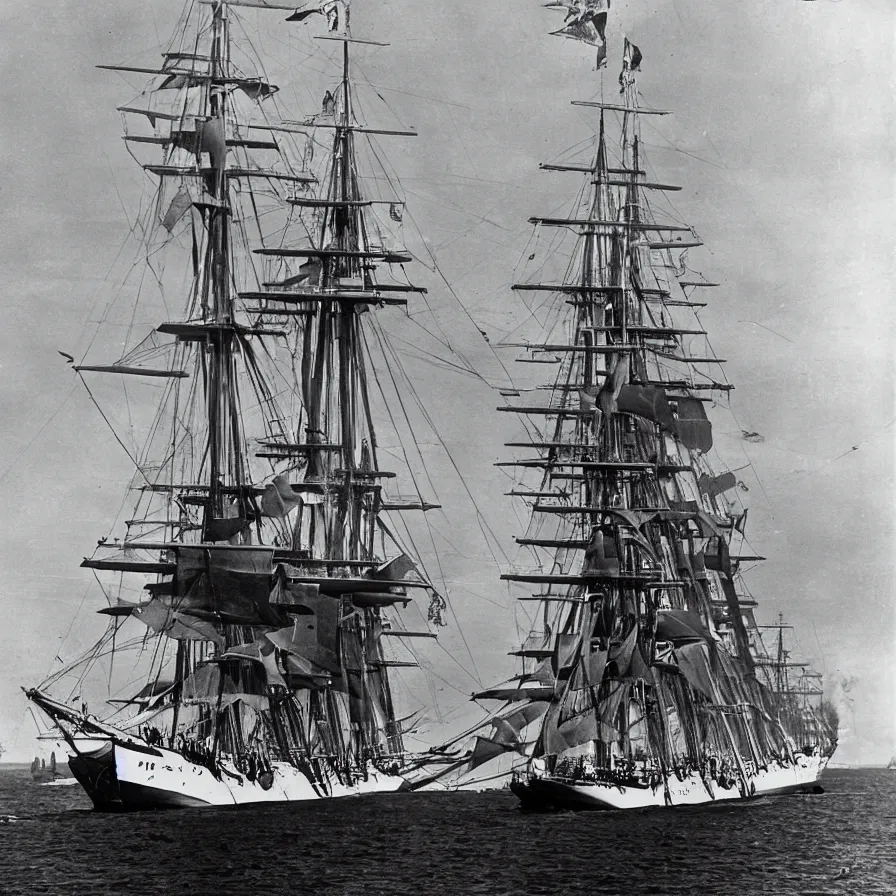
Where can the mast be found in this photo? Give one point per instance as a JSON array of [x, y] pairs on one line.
[[339, 438], [216, 302], [781, 670]]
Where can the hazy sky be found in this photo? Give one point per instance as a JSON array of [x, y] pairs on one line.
[[782, 140]]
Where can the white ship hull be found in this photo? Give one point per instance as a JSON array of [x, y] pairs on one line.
[[126, 778], [692, 790]]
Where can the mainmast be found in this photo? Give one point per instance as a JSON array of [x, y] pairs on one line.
[[217, 304]]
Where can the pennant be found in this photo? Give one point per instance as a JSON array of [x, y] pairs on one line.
[[328, 105], [435, 612], [586, 20], [631, 62], [631, 58], [336, 12]]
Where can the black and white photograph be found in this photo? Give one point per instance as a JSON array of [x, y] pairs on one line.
[[448, 448]]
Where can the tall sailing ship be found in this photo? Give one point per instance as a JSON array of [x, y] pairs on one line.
[[259, 570], [42, 773], [645, 681]]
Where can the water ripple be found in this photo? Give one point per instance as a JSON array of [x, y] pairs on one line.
[[840, 843]]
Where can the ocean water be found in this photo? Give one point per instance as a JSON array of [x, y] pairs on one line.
[[452, 844]]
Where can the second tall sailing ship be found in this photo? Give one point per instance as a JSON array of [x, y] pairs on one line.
[[645, 680]]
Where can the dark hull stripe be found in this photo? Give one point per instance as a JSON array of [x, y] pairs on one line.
[[550, 795], [135, 797]]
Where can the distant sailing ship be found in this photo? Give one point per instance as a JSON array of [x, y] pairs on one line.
[[41, 773], [262, 584], [646, 682], [891, 765]]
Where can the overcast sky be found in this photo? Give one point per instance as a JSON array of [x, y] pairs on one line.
[[782, 141]]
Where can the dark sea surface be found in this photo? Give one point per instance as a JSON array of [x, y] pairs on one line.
[[839, 842]]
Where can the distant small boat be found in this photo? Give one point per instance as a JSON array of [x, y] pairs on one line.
[[891, 765]]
